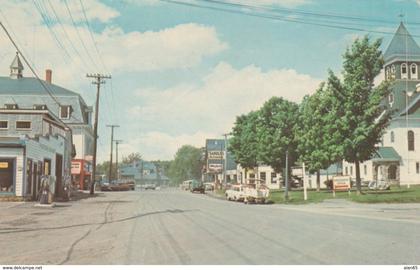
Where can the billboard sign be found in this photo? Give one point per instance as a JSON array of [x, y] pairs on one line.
[[218, 155], [215, 168]]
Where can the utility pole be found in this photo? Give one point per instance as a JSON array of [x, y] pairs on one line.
[[117, 142], [99, 79], [225, 164], [286, 191], [110, 155]]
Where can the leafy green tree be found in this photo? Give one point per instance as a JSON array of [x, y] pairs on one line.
[[362, 120], [132, 158], [244, 142], [186, 165], [275, 132], [309, 132]]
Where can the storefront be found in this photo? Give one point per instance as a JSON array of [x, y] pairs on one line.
[[81, 173], [24, 162]]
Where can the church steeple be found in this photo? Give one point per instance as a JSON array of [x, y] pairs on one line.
[[16, 68], [402, 46]]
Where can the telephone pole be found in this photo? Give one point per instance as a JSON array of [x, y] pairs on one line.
[[99, 79], [225, 161], [110, 155], [117, 142]]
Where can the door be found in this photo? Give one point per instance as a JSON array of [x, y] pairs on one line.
[[29, 176], [58, 174], [7, 175], [35, 180]]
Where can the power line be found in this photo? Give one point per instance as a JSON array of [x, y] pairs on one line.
[[91, 35], [30, 67], [53, 34], [65, 33], [306, 13], [278, 18], [79, 36]]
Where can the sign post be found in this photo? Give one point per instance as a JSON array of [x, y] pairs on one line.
[[341, 183], [305, 195]]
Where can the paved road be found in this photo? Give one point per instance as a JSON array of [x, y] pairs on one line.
[[175, 227]]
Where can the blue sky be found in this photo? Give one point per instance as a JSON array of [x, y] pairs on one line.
[[181, 74]]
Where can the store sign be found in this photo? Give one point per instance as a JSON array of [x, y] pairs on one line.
[[341, 183], [215, 155], [4, 165], [215, 168], [75, 167]]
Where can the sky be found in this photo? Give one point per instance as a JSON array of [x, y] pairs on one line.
[[182, 73]]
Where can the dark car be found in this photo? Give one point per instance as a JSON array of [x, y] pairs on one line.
[[197, 186]]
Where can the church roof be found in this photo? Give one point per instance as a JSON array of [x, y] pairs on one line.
[[386, 153], [402, 45]]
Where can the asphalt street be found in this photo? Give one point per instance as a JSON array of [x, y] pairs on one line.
[[170, 226]]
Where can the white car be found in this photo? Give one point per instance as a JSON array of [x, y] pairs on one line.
[[257, 195], [235, 193], [379, 185]]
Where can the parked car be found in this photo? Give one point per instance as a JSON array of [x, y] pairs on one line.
[[150, 186], [235, 193], [255, 194], [379, 185], [208, 186], [197, 186]]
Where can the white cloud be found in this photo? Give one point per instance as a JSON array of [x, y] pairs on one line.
[[159, 145], [180, 46], [213, 105]]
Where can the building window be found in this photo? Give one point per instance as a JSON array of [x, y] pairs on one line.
[[418, 167], [4, 124], [365, 169], [393, 72], [252, 175], [351, 170], [413, 71], [388, 73], [23, 124], [262, 177], [392, 136], [347, 171], [403, 71], [391, 99], [410, 138], [65, 112], [273, 178]]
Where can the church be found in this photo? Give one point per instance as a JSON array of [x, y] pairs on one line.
[[397, 159]]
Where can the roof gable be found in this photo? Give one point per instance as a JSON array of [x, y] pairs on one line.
[[402, 45]]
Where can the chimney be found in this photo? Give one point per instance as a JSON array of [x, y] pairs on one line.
[[48, 75]]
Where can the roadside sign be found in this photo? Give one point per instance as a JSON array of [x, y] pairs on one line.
[[218, 155], [341, 183]]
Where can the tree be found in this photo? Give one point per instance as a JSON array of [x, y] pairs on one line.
[[103, 169], [244, 142], [362, 120], [309, 132], [133, 157], [187, 164], [275, 132]]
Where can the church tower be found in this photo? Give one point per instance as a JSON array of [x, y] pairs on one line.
[[16, 68], [402, 61]]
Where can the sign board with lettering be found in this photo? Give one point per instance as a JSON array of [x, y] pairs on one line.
[[215, 155], [215, 168], [341, 183], [4, 165], [76, 167]]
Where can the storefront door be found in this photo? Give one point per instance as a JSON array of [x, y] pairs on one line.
[[7, 175]]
